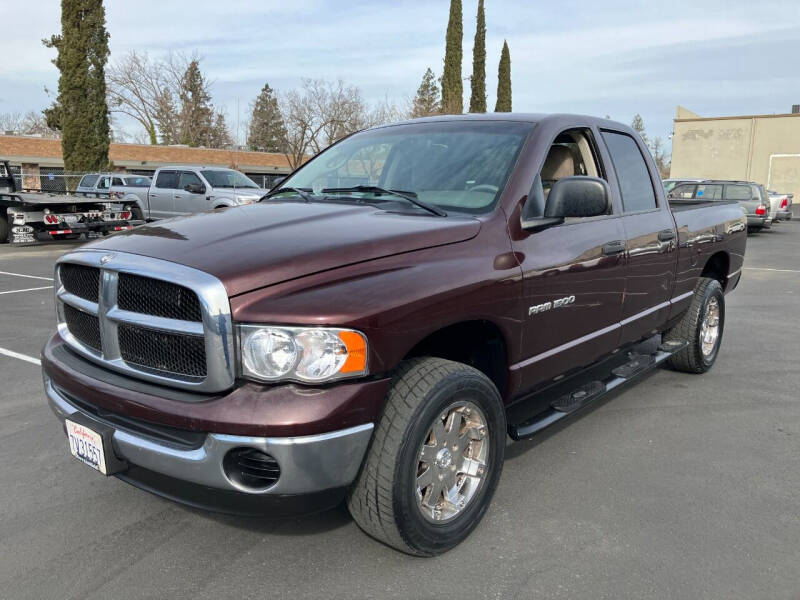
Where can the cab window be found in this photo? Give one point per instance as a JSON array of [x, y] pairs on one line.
[[738, 192], [633, 176], [188, 178], [684, 191], [571, 153], [711, 191], [167, 180]]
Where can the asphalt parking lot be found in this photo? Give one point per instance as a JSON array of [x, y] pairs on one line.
[[680, 487]]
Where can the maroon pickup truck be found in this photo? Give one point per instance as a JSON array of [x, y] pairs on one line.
[[375, 327]]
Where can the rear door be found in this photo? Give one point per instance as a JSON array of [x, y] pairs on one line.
[[160, 196], [188, 202], [651, 238]]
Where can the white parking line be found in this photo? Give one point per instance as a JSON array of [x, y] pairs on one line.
[[766, 269], [28, 276], [47, 287], [24, 357]]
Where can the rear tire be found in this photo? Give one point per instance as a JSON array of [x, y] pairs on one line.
[[435, 458], [702, 326]]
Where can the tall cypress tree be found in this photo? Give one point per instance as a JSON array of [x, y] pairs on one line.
[[477, 101], [504, 81], [452, 87], [267, 129], [80, 111]]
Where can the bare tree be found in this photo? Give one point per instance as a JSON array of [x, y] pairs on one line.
[[321, 112], [303, 127], [134, 86], [31, 123]]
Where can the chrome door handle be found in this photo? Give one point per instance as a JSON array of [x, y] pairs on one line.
[[666, 235]]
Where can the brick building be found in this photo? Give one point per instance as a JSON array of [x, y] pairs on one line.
[[40, 162]]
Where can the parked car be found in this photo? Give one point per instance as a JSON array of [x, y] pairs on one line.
[[130, 191], [780, 206], [671, 183], [377, 342], [178, 190], [752, 197]]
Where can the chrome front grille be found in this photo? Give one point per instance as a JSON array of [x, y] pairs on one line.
[[126, 312]]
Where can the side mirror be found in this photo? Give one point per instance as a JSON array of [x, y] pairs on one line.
[[195, 188], [276, 182], [577, 196]]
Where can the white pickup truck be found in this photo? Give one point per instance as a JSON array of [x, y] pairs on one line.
[[181, 190]]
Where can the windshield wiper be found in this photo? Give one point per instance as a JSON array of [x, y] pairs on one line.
[[410, 196], [302, 192]]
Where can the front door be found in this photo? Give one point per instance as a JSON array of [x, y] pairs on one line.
[[189, 202], [573, 275]]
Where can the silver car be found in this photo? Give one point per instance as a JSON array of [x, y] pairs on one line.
[[751, 196], [780, 206]]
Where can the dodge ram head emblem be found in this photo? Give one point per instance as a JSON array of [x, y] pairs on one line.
[[106, 259]]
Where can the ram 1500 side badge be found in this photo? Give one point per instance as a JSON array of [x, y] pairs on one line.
[[539, 308]]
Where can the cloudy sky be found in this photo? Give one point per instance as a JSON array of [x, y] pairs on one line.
[[716, 57]]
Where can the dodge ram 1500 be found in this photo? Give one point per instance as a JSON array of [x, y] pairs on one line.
[[374, 328]]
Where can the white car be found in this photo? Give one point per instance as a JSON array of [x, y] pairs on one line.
[[780, 206]]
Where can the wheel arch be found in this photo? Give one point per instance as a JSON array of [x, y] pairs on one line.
[[479, 343], [717, 267]]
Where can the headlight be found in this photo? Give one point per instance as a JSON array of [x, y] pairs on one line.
[[306, 354]]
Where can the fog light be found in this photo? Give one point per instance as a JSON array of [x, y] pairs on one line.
[[251, 469]]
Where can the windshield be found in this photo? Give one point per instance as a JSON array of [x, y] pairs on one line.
[[457, 165], [228, 179]]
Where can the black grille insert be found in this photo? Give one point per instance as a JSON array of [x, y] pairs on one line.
[[81, 280], [251, 468], [83, 326], [158, 298], [163, 353]]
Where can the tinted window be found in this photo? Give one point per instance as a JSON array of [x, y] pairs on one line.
[[167, 179], [117, 181], [709, 192], [739, 192], [684, 192], [137, 181], [103, 183], [188, 178], [88, 180], [632, 173]]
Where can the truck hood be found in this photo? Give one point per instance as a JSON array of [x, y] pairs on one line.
[[253, 246]]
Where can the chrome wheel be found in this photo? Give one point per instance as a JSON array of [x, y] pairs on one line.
[[709, 328], [452, 462]]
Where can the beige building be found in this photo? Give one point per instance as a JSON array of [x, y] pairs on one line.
[[761, 148]]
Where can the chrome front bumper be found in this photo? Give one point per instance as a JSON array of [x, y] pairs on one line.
[[308, 463]]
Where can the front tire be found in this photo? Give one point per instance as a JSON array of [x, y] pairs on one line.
[[702, 326], [435, 458]]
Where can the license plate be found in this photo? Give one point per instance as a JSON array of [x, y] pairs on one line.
[[70, 218], [86, 445]]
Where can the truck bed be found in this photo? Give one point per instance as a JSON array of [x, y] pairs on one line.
[[679, 204]]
